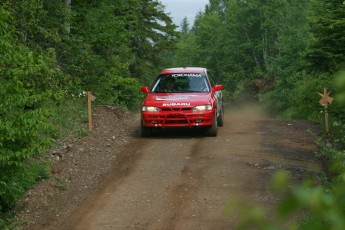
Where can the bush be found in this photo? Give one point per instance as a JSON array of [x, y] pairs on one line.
[[307, 206], [15, 181], [117, 90], [296, 97], [28, 81], [74, 107]]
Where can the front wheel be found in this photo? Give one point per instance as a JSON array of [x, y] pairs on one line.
[[220, 118], [145, 131], [213, 130]]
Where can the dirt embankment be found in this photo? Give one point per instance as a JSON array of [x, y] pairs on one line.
[[114, 179]]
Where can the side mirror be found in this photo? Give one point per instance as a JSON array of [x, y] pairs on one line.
[[218, 88], [144, 89]]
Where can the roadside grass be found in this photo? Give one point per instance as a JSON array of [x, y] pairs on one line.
[[69, 119]]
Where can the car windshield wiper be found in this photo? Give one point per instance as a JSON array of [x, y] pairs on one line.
[[161, 91], [192, 91]]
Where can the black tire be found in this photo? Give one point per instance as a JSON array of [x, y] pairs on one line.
[[213, 130], [220, 118], [145, 131]]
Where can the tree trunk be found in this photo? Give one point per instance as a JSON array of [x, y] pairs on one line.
[[68, 15], [253, 51]]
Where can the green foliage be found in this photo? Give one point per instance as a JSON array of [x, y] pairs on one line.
[[15, 181], [327, 52], [247, 216], [75, 108], [22, 96], [112, 89], [24, 18], [324, 207], [314, 207], [340, 87], [184, 27], [28, 80], [300, 99], [153, 34], [186, 51], [50, 54], [134, 33], [246, 40], [292, 41], [7, 222], [332, 150]]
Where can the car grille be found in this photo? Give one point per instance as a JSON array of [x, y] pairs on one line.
[[176, 109]]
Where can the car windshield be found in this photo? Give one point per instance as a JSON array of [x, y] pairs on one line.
[[181, 83]]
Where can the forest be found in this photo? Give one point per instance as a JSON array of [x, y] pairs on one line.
[[279, 53]]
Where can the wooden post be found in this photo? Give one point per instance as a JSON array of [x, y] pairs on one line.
[[90, 98], [324, 101]]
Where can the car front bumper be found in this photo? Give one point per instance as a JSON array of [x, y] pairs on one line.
[[177, 119]]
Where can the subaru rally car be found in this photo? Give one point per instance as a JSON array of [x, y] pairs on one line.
[[185, 97]]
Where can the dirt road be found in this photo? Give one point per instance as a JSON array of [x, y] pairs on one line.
[[182, 180]]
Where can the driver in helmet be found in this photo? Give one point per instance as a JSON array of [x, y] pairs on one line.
[[198, 84], [169, 84]]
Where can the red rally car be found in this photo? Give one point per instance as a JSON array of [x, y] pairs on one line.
[[185, 97]]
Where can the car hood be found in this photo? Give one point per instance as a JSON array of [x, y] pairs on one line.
[[177, 99]]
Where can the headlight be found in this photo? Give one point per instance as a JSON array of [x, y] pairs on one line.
[[202, 108], [150, 109]]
